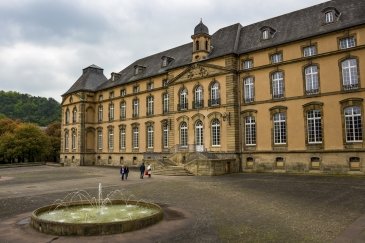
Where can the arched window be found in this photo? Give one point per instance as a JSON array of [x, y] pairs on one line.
[[74, 115], [353, 124], [199, 139], [183, 134], [214, 94], [311, 80], [198, 96], [183, 99], [66, 140], [197, 45], [67, 116], [216, 130], [111, 138], [100, 139], [73, 139], [206, 45], [350, 78]]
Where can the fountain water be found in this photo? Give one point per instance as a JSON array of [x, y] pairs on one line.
[[81, 214]]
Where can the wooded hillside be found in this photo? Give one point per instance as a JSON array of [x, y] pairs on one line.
[[27, 108]]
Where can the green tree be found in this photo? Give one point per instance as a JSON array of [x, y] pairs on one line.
[[53, 132]]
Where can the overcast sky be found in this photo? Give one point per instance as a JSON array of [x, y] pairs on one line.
[[45, 44]]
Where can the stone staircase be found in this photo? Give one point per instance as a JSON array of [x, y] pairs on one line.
[[172, 171]]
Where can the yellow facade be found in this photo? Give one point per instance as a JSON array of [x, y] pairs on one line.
[[226, 142]]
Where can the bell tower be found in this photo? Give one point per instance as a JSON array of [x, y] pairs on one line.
[[201, 42]]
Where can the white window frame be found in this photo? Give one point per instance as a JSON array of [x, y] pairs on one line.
[[247, 64], [280, 137], [277, 85], [111, 139], [150, 136], [123, 110], [66, 139], [347, 42], [74, 115], [183, 99], [250, 131], [216, 133], [311, 79], [314, 127], [165, 135], [135, 139], [350, 77], [249, 89], [276, 57], [309, 51], [135, 107], [214, 92], [100, 139], [73, 140], [111, 112], [198, 96], [353, 124], [199, 133], [100, 113], [150, 101], [122, 137], [329, 17], [183, 134], [67, 116], [165, 102]]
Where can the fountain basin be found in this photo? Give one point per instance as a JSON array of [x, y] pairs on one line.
[[87, 227]]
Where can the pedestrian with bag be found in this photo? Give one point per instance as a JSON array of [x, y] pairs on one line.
[[149, 170]]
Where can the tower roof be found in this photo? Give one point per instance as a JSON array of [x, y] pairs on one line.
[[201, 29]]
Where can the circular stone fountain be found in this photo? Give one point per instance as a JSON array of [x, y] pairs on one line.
[[106, 217]]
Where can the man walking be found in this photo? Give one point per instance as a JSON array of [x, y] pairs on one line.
[[142, 168]]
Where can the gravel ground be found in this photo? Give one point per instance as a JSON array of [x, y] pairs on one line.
[[230, 208]]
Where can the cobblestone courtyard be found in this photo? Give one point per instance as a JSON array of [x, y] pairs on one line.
[[231, 208]]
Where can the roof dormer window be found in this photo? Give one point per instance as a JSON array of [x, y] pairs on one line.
[[331, 15], [138, 69], [267, 33], [115, 76], [166, 61]]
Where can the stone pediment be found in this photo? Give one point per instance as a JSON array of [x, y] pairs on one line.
[[199, 71]]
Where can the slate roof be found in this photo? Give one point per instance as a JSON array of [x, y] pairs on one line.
[[201, 29], [235, 39], [90, 79]]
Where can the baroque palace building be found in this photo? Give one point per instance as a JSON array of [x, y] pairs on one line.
[[285, 94]]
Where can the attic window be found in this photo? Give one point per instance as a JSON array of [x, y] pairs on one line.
[[100, 97], [331, 14], [267, 33], [111, 94], [166, 60], [115, 76], [138, 69]]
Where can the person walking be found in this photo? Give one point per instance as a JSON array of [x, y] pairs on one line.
[[142, 168], [149, 170], [122, 172], [126, 171]]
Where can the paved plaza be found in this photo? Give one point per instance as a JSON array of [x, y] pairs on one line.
[[230, 208]]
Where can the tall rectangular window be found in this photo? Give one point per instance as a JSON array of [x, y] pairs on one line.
[[123, 110], [353, 124], [73, 140], [111, 112], [216, 133], [122, 138], [277, 80], [66, 140], [135, 107], [309, 51], [111, 139], [165, 103], [150, 105], [165, 137], [100, 139], [249, 89], [314, 126], [250, 130], [100, 113], [311, 80], [347, 42], [350, 78], [150, 137], [279, 128], [135, 139]]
